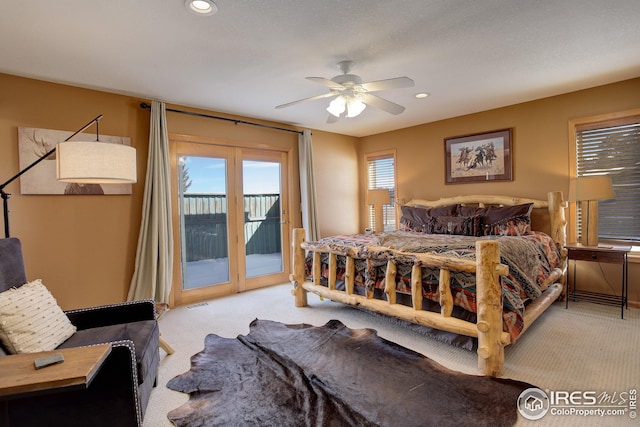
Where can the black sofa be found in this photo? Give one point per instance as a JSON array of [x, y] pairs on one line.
[[120, 391]]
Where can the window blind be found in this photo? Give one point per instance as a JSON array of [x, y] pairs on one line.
[[614, 148], [381, 175]]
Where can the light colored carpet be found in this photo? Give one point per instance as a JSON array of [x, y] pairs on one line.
[[585, 348]]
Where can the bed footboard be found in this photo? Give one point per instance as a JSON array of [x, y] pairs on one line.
[[487, 267]]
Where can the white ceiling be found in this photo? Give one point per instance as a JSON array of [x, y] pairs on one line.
[[255, 54]]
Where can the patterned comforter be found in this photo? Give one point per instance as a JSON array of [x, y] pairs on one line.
[[530, 258]]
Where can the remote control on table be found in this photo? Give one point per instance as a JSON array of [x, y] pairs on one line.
[[48, 360]]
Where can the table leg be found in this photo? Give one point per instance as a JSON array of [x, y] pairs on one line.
[[165, 346], [625, 288]]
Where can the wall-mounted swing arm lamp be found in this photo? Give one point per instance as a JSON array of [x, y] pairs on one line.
[[83, 162]]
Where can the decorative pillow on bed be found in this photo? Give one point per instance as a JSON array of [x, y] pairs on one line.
[[31, 320], [421, 219], [447, 210], [507, 220], [501, 220], [464, 210], [459, 225], [415, 219]]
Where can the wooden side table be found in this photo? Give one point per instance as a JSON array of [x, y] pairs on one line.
[[20, 377], [611, 254]]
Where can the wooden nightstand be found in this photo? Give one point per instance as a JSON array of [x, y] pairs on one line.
[[611, 254]]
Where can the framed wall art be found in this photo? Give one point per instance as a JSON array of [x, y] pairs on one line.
[[479, 157], [33, 143]]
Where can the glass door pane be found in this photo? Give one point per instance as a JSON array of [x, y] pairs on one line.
[[203, 199], [262, 194]]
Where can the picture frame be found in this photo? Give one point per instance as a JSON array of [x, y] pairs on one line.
[[479, 157]]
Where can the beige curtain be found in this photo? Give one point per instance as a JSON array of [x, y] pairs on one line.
[[308, 187], [154, 256]]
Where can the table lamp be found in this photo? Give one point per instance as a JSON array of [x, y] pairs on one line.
[[378, 198], [588, 190]]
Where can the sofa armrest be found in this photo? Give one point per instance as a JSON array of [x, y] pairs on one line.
[[113, 314]]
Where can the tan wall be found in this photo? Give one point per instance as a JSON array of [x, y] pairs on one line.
[[83, 247], [540, 151], [337, 183], [540, 143]]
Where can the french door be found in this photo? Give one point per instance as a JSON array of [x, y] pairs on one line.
[[231, 219]]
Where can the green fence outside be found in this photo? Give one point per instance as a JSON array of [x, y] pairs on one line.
[[205, 225]]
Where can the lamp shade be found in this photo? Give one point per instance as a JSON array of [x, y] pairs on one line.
[[596, 187], [355, 107], [95, 163], [337, 106], [378, 197]]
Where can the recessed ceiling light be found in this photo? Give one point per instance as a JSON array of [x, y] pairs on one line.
[[422, 95], [201, 7]]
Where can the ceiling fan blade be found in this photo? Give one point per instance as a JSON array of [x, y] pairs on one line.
[[328, 83], [313, 98], [396, 83], [382, 104]]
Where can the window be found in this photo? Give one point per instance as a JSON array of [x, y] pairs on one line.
[[381, 174], [612, 146]]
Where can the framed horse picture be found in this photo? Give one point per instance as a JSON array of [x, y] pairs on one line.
[[479, 157]]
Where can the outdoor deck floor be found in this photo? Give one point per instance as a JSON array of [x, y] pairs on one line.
[[215, 271]]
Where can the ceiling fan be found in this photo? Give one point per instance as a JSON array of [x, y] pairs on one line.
[[351, 96]]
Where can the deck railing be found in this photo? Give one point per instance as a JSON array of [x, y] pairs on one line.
[[205, 225]]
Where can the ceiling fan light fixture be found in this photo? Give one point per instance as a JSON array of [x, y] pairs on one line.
[[337, 106], [350, 94], [354, 107], [201, 7]]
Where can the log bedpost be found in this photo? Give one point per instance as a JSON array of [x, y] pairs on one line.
[[298, 276], [416, 286], [390, 282], [444, 288], [557, 217], [558, 224], [316, 268], [370, 268], [350, 275], [489, 302], [333, 270]]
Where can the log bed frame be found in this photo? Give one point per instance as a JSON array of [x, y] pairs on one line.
[[487, 267]]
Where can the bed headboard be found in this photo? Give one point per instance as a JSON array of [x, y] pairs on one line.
[[547, 215]]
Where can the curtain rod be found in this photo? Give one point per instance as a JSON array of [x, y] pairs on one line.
[[191, 113]]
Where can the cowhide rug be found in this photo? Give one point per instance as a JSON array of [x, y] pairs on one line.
[[301, 375]]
